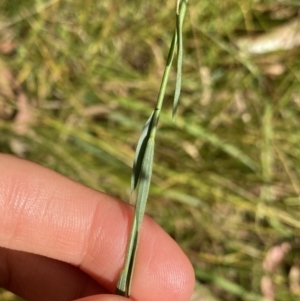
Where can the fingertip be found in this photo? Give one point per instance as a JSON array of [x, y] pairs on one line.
[[162, 269], [104, 298]]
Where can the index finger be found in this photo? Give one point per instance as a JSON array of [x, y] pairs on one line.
[[47, 214]]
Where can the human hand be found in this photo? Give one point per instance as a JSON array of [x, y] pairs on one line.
[[63, 241]]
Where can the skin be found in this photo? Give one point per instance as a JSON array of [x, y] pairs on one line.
[[62, 241]]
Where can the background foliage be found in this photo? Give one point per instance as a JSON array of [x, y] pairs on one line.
[[78, 79]]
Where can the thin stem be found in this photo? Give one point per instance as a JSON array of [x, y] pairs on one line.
[[142, 168]]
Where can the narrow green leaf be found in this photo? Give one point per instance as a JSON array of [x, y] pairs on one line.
[[126, 273], [121, 289], [132, 262], [145, 180], [124, 283], [179, 65], [140, 152], [143, 161], [142, 196]]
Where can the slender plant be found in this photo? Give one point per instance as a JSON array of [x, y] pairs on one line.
[[143, 161]]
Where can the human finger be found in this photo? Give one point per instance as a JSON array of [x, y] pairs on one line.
[[50, 215], [104, 298], [36, 277]]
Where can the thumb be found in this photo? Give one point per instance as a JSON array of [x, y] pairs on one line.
[[104, 298]]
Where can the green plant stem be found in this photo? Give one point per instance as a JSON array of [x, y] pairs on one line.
[[142, 168]]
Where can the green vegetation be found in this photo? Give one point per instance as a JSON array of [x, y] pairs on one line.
[[143, 159], [78, 80]]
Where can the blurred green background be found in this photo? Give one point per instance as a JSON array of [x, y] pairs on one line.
[[78, 79]]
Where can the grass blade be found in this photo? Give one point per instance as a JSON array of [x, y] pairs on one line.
[[124, 283], [140, 152], [179, 21], [145, 179], [143, 161], [142, 196]]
